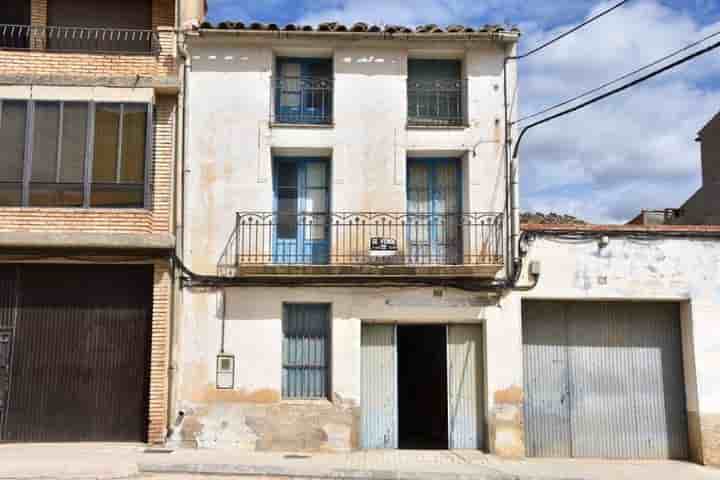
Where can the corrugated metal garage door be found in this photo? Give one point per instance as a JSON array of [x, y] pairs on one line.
[[465, 369], [604, 380], [379, 387], [79, 363]]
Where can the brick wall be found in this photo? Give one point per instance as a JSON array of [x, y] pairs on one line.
[[36, 62], [163, 167], [159, 353]]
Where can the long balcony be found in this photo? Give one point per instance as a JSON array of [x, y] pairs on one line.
[[78, 39], [436, 103], [364, 244]]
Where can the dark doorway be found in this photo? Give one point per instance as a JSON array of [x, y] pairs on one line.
[[422, 386]]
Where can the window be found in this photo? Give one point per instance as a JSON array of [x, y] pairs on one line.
[[306, 351], [303, 90], [47, 161], [436, 93], [14, 13]]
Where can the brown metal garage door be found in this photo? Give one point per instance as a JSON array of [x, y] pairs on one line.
[[79, 352]]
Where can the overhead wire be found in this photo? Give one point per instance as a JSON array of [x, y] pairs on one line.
[[615, 91], [620, 78]]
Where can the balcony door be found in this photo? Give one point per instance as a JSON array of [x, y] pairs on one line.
[[434, 207], [302, 201], [14, 13]]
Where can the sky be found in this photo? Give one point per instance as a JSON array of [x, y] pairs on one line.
[[602, 164]]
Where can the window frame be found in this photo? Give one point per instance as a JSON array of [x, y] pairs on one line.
[[328, 350], [87, 180]]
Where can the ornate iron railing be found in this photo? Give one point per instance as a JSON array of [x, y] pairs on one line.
[[303, 99], [364, 238], [78, 39], [436, 102]]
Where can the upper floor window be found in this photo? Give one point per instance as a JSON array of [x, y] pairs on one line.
[[74, 154], [13, 12], [303, 90], [436, 93]]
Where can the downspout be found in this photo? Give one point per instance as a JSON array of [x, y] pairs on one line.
[[179, 217], [512, 184]]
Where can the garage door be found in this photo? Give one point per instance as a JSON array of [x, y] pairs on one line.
[[76, 343], [604, 380]]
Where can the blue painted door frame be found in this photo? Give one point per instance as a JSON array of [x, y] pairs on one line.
[[437, 238], [302, 204]]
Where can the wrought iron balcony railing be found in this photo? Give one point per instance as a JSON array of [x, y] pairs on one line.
[[364, 239], [78, 39], [303, 99], [436, 103]]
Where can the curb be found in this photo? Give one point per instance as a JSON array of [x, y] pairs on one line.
[[319, 473]]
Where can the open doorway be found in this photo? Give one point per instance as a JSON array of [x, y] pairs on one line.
[[422, 386]]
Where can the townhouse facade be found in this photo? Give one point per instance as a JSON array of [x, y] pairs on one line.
[[352, 173], [88, 124]]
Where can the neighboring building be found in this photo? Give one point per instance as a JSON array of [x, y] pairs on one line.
[[703, 207], [88, 107], [341, 177]]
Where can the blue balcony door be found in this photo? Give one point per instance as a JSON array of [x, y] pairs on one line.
[[302, 201], [304, 93], [434, 207]]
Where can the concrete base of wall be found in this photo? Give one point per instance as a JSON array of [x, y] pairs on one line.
[[710, 434], [313, 425]]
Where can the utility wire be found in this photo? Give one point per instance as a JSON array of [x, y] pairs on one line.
[[569, 32], [615, 91], [619, 79]]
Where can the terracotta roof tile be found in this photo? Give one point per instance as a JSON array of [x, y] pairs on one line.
[[359, 27], [623, 229]]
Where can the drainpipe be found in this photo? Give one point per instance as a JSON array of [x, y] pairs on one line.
[[179, 217], [513, 165]]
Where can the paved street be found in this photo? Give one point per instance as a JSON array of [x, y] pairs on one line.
[[120, 461]]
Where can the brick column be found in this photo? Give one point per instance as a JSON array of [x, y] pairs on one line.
[[38, 18], [159, 351]]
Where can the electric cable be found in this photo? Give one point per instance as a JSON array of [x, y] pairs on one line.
[[569, 32], [615, 91], [619, 79]]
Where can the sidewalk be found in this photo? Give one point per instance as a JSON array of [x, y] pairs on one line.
[[125, 461]]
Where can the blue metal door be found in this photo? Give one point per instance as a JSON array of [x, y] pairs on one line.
[[434, 210], [302, 205]]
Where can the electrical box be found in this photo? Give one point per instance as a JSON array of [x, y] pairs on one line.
[[225, 372]]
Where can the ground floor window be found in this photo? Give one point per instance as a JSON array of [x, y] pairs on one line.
[[305, 351]]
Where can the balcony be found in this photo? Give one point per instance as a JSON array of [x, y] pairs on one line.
[[436, 103], [364, 244], [303, 100], [78, 39]]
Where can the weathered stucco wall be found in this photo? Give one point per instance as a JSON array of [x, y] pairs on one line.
[[232, 142], [253, 416], [644, 268]]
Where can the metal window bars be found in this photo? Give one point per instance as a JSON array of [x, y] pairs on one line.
[[363, 238], [303, 99], [78, 39], [436, 103]]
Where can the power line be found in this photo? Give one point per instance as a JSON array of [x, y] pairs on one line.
[[618, 79], [614, 91], [569, 32]]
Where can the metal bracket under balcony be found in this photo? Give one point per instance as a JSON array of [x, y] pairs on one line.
[[364, 245], [78, 39]]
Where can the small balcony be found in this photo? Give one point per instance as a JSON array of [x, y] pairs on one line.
[[78, 39], [303, 100], [436, 103], [364, 244]]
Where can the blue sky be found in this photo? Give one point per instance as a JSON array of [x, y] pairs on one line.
[[607, 162]]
